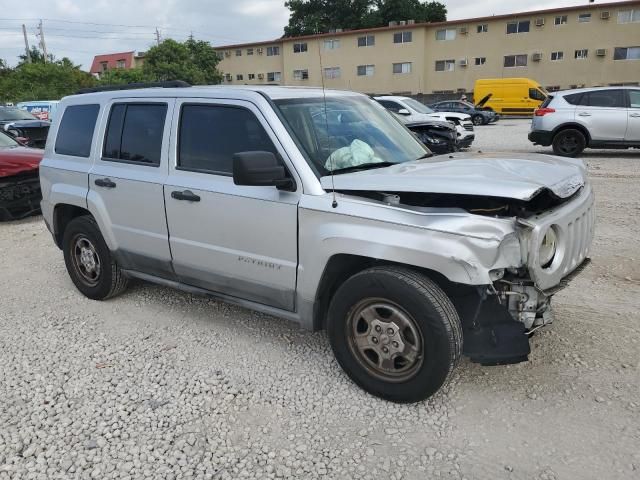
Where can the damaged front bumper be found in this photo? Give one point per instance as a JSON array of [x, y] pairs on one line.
[[20, 196]]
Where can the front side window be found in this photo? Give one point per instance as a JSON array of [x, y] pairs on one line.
[[480, 60], [581, 54], [482, 28], [339, 133], [402, 37], [518, 27], [209, 136], [626, 53], [561, 20], [301, 74], [12, 113], [273, 51], [299, 47], [402, 67], [446, 34], [365, 70], [584, 18], [515, 61], [366, 41], [332, 72], [445, 65], [76, 130], [557, 56], [134, 133], [634, 98]]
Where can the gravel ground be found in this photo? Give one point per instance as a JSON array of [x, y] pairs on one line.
[[160, 384]]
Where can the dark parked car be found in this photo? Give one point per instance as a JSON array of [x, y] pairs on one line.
[[440, 137], [479, 116], [19, 182], [21, 124]]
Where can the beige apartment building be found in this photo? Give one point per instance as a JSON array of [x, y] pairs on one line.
[[587, 45]]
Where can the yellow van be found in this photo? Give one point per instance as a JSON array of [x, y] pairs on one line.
[[515, 96]]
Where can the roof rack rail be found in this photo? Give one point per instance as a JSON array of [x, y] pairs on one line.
[[134, 86]]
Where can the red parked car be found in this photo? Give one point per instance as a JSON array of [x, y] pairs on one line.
[[19, 181]]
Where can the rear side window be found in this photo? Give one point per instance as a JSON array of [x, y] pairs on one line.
[[134, 133], [604, 98], [547, 101], [76, 130], [573, 99], [634, 98], [209, 136], [389, 105]]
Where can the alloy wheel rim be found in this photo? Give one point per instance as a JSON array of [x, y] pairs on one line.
[[86, 260], [385, 340], [568, 144]]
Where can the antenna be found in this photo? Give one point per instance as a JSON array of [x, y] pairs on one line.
[[334, 203]]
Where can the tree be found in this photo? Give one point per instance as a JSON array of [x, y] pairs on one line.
[[119, 76], [318, 16], [36, 56], [193, 61]]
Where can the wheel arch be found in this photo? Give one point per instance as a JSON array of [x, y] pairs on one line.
[[573, 126], [63, 213]]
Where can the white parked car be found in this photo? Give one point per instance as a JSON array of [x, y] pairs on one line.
[[414, 111]]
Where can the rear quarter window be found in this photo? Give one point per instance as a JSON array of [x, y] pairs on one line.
[[76, 130], [573, 99]]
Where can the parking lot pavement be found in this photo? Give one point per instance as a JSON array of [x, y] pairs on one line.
[[161, 384]]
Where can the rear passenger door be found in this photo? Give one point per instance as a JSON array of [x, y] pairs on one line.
[[126, 183], [604, 113], [633, 124], [236, 240]]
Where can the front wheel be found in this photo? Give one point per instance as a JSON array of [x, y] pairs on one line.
[[395, 333], [477, 120], [569, 143]]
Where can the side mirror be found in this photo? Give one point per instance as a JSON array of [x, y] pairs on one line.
[[404, 111], [260, 169]]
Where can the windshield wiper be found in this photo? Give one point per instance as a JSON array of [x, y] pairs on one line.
[[364, 166], [426, 155]]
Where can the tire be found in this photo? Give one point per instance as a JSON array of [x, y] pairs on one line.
[[477, 120], [83, 247], [433, 334], [569, 143]]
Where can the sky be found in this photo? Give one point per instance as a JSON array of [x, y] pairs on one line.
[[80, 29]]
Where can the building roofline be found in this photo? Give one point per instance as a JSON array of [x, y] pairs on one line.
[[114, 54], [589, 6]]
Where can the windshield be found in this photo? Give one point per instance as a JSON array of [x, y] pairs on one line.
[[355, 131], [7, 114], [417, 106], [7, 141]]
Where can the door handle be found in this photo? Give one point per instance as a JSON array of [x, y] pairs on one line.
[[105, 182], [584, 114], [187, 195], [634, 114]]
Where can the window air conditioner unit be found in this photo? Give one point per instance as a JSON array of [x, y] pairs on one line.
[[261, 76], [393, 23], [539, 22], [259, 50], [402, 22], [605, 15], [463, 30], [410, 22], [536, 57], [601, 52], [463, 62]]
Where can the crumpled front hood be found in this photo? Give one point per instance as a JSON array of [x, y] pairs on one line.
[[19, 159], [492, 175]]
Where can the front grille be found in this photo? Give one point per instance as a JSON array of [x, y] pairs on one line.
[[579, 233], [468, 127]]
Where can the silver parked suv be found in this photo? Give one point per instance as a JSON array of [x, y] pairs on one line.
[[573, 120], [321, 208]]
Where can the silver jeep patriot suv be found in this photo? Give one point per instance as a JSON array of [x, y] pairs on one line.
[[322, 208]]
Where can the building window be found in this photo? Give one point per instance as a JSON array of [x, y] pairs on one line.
[[104, 66], [249, 51], [273, 51], [252, 76], [120, 63], [301, 74], [482, 28], [332, 72], [238, 53], [518, 27], [557, 56], [239, 77], [581, 54], [446, 34], [365, 70], [273, 76], [515, 61], [629, 16], [626, 53], [402, 37], [561, 20], [480, 60], [299, 47], [404, 67], [445, 65], [227, 77], [331, 44], [584, 18], [367, 41]]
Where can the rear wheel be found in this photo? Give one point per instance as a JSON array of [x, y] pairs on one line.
[[569, 142], [395, 333], [477, 120], [89, 261]]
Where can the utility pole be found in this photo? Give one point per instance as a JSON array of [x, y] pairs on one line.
[[157, 36], [43, 45], [26, 44]]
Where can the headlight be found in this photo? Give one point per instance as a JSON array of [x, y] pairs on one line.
[[548, 248]]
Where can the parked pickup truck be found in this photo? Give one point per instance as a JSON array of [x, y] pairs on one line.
[[321, 208]]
